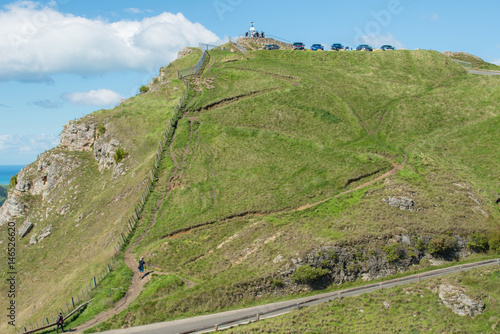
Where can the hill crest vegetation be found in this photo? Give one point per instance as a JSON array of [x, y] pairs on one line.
[[281, 160]]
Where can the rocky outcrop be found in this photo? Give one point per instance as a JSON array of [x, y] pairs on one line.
[[455, 299], [461, 53], [78, 136], [104, 152], [25, 228], [46, 231], [184, 52], [12, 209], [403, 203]]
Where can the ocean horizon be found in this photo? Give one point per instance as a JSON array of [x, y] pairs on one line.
[[8, 171]]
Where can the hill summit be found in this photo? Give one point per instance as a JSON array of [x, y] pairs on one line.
[[267, 174]]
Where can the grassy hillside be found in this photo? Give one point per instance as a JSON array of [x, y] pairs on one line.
[[89, 208], [476, 62], [275, 157], [268, 133], [414, 308], [3, 193]]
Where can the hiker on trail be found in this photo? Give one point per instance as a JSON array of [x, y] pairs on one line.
[[60, 322], [141, 267]]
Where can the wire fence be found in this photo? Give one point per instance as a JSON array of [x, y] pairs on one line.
[[238, 45], [305, 302], [193, 70], [72, 306], [463, 63], [88, 292]]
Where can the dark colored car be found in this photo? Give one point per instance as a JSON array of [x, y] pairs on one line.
[[272, 47], [316, 47], [387, 47], [364, 47], [298, 46], [337, 47]]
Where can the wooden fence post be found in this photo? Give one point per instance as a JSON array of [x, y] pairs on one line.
[[72, 302], [95, 284]]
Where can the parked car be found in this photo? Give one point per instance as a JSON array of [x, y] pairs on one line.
[[387, 47], [337, 47], [298, 46], [316, 47], [364, 47], [272, 47]]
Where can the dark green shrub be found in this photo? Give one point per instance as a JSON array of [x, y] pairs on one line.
[[393, 252], [277, 283], [442, 244], [494, 241], [478, 243], [120, 154], [419, 243], [13, 182], [308, 274], [101, 129], [144, 89]]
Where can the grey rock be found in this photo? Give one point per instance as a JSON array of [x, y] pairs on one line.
[[459, 303], [33, 239], [78, 137], [11, 209], [278, 259], [403, 203], [25, 228], [386, 305], [46, 231], [184, 52], [104, 152]]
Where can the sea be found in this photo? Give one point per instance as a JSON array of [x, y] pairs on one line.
[[8, 171]]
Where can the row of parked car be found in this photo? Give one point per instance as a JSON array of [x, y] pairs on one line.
[[334, 47]]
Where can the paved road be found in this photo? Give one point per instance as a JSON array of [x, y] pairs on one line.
[[228, 319], [483, 72]]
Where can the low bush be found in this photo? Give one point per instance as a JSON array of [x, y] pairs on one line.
[[308, 274], [120, 154], [443, 244], [494, 241], [144, 89], [477, 243], [13, 182], [101, 129]]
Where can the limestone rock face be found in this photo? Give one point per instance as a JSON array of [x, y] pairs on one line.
[[78, 137], [403, 203], [47, 230], [25, 228], [11, 209], [52, 171], [456, 300], [184, 52], [104, 151]]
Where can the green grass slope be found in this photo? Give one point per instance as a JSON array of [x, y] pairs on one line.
[[83, 238], [269, 132], [414, 308]]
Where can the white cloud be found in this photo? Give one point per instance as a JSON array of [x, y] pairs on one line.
[[37, 41], [101, 97], [137, 10], [496, 61], [377, 41], [27, 144]]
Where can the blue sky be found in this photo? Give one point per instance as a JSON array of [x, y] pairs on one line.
[[63, 59]]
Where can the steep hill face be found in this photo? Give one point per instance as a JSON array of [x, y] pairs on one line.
[[344, 164]]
